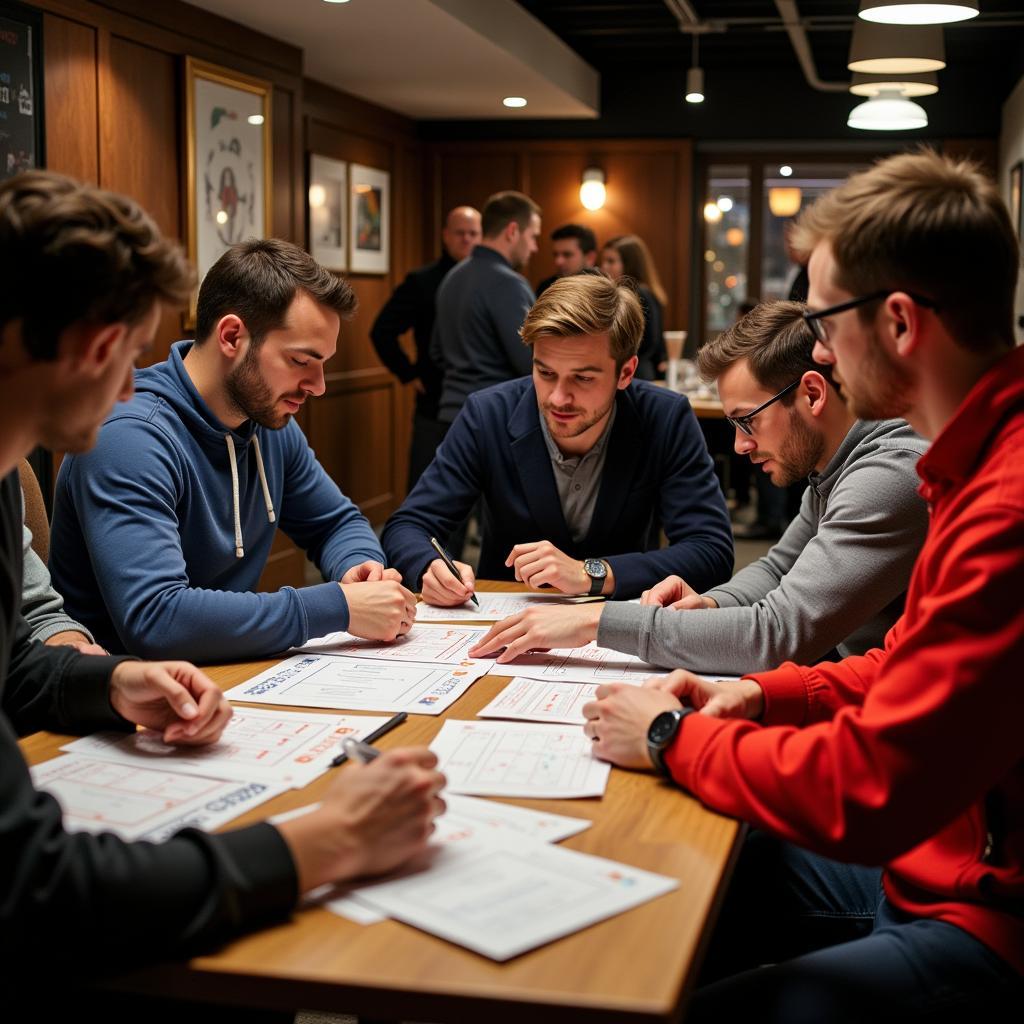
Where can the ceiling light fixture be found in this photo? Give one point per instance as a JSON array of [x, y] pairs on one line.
[[924, 84], [695, 78], [592, 190], [514, 101], [785, 170], [896, 49], [899, 12], [890, 111]]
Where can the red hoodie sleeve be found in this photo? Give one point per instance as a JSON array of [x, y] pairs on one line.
[[907, 756]]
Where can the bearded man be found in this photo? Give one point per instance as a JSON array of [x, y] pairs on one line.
[[161, 532], [579, 467], [837, 578]]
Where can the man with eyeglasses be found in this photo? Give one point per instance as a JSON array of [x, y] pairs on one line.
[[885, 880], [837, 577]]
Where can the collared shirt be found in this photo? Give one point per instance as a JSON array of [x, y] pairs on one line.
[[578, 478]]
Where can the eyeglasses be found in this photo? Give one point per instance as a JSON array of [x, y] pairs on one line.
[[743, 422], [815, 318]]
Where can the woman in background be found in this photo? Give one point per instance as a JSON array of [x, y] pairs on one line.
[[628, 256]]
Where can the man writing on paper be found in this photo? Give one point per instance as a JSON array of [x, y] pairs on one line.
[[161, 532], [579, 466], [836, 579], [889, 875], [92, 903]]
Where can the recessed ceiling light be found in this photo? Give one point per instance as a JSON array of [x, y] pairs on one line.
[[514, 101]]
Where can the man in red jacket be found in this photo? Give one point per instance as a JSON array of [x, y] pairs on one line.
[[908, 758]]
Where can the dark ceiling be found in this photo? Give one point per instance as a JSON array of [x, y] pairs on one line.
[[754, 85]]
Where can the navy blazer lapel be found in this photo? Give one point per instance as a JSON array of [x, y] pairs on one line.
[[536, 475], [620, 466]]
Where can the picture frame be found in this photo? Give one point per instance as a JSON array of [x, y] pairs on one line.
[[228, 174], [369, 220], [22, 138], [328, 211], [1016, 211]]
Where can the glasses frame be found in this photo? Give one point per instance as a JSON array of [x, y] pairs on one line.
[[742, 423], [813, 317]]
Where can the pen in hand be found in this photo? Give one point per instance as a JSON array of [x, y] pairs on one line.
[[447, 559], [360, 747]]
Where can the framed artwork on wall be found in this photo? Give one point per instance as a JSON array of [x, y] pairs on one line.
[[328, 211], [1016, 213], [228, 160], [369, 220], [21, 90]]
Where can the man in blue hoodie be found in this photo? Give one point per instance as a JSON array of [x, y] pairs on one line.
[[161, 532]]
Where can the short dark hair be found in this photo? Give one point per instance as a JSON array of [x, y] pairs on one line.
[[775, 341], [503, 208], [257, 281], [75, 253], [584, 236]]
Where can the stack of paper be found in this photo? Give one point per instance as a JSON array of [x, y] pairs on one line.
[[425, 643], [524, 760], [502, 899], [588, 664], [358, 684], [493, 607]]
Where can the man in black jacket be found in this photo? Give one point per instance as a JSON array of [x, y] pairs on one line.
[[412, 305], [87, 278]]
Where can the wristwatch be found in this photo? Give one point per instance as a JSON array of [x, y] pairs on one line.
[[597, 570], [661, 734]]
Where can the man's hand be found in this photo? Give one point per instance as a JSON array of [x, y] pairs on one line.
[[72, 638], [674, 592], [374, 818], [729, 698], [541, 564], [172, 697], [383, 610], [370, 572], [618, 721], [539, 629], [440, 587]]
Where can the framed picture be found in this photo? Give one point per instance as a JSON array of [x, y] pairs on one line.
[[369, 220], [228, 170], [328, 211], [1016, 212], [21, 90]]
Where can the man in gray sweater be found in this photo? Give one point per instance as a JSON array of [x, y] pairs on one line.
[[837, 577]]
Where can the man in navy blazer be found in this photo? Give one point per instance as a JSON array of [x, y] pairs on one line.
[[579, 467]]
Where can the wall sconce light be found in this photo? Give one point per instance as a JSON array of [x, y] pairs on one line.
[[592, 190], [785, 202]]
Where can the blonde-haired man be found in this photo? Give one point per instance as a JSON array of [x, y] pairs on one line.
[[578, 466], [888, 879]]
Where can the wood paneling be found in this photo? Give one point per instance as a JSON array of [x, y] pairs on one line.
[[649, 185], [69, 59]]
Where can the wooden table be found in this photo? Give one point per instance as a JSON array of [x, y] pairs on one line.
[[637, 966]]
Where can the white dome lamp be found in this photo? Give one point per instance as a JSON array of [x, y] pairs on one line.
[[900, 12], [889, 111]]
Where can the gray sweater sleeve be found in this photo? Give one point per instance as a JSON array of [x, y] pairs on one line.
[[41, 605], [856, 563]]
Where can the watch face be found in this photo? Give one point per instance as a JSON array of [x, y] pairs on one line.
[[662, 727], [595, 568]]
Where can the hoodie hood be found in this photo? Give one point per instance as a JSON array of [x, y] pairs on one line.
[[169, 382]]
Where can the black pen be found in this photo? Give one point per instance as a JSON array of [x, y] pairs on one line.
[[447, 559], [390, 724]]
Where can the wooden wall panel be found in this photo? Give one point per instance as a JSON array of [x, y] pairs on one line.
[[69, 60], [649, 186], [351, 431]]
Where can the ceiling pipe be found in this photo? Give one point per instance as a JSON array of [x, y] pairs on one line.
[[802, 47]]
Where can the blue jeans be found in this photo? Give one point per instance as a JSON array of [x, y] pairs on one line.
[[837, 951]]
